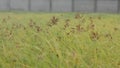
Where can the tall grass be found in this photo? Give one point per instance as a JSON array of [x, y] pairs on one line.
[[59, 40]]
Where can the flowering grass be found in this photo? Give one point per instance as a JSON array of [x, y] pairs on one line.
[[59, 40]]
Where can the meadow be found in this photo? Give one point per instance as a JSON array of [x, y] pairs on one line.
[[59, 40]]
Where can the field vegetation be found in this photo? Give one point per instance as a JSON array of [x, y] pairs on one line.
[[59, 40]]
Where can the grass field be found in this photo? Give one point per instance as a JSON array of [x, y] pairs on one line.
[[59, 40]]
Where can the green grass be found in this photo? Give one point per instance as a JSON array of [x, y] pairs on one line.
[[59, 40]]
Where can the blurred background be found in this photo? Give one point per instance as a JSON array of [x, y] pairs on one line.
[[86, 6]]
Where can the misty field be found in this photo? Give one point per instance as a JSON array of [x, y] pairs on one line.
[[59, 40]]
